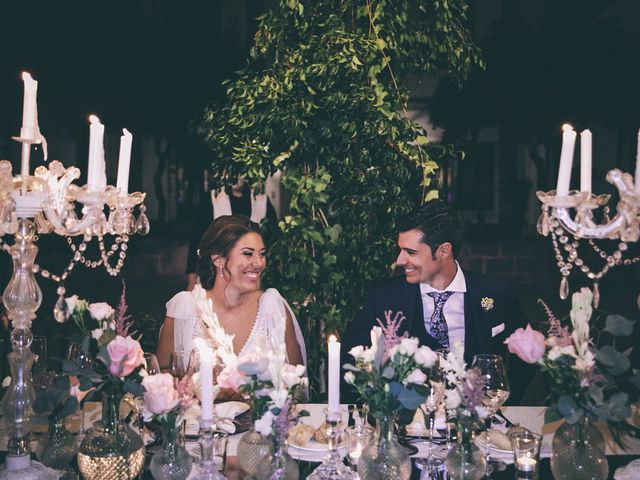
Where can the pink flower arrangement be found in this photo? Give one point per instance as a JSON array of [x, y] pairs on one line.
[[584, 379], [161, 395], [117, 357]]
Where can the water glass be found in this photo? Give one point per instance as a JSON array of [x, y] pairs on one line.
[[526, 453], [220, 449], [151, 363]]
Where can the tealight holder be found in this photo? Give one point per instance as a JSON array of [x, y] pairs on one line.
[[526, 454], [332, 466]]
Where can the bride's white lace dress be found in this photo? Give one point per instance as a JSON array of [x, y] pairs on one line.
[[272, 308]]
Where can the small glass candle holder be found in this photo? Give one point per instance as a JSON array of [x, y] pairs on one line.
[[332, 466], [359, 435], [526, 454]]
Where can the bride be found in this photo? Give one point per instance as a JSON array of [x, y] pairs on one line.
[[231, 258]]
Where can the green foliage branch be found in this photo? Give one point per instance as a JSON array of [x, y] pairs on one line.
[[322, 100]]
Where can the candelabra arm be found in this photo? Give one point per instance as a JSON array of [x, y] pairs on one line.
[[582, 230]]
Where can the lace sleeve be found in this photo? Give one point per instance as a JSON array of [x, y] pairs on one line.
[[182, 308], [275, 307]]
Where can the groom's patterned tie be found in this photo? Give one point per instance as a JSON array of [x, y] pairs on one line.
[[439, 329]]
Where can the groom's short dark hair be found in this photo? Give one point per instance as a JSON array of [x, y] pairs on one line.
[[439, 223]]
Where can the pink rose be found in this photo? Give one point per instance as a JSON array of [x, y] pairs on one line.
[[528, 344], [160, 394], [231, 378], [126, 355]]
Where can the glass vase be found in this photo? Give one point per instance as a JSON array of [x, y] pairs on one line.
[[58, 448], [252, 448], [277, 464], [465, 461], [111, 449], [384, 458], [578, 452], [172, 462]]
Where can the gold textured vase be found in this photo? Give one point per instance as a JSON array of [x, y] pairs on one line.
[[111, 449]]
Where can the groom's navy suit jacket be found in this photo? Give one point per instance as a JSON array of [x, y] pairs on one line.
[[485, 329]]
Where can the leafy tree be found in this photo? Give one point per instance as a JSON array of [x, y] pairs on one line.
[[322, 100]]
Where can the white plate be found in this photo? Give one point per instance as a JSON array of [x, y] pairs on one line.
[[481, 441]]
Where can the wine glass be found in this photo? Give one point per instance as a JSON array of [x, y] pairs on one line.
[[496, 389], [151, 362], [39, 348], [176, 365], [76, 354], [430, 408]]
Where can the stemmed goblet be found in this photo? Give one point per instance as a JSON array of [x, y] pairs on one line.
[[77, 354], [496, 390], [431, 407]]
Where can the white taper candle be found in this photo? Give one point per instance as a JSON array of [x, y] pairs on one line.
[[206, 378], [566, 160], [96, 153], [124, 161], [334, 374], [585, 161]]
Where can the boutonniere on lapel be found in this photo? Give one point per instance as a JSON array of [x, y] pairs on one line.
[[486, 303]]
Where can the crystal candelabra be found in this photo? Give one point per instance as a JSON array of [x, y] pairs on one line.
[[35, 205], [570, 218]]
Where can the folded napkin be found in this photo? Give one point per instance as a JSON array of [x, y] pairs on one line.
[[630, 471], [224, 414]]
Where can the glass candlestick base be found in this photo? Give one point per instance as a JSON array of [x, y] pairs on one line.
[[332, 466], [208, 468]]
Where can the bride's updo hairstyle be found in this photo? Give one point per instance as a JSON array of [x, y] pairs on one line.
[[219, 239]]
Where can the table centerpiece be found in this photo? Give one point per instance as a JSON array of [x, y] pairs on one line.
[[111, 449], [588, 380], [390, 377]]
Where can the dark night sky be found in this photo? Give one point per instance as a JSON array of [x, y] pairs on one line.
[[150, 65]]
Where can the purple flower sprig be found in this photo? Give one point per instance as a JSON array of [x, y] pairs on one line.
[[121, 319], [390, 330], [473, 388], [563, 337], [284, 421]]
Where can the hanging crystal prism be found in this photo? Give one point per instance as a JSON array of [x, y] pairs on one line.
[[596, 294], [564, 288], [60, 310], [142, 225]]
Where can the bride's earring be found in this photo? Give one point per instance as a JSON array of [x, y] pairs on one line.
[[220, 270]]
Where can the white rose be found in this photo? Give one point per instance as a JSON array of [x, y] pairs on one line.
[[97, 333], [356, 352], [417, 376], [279, 397], [71, 304], [264, 425], [453, 399], [349, 377], [368, 355], [426, 357], [100, 311], [408, 346], [292, 375]]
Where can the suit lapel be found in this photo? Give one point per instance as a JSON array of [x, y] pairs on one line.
[[476, 332]]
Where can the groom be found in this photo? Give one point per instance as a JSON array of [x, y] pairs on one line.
[[442, 303]]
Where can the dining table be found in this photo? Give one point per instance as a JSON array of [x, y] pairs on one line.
[[308, 458]]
